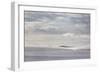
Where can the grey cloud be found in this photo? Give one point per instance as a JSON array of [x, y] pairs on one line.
[[62, 22]]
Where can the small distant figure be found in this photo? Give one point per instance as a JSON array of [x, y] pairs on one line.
[[64, 46]]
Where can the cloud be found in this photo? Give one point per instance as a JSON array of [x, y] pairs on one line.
[[76, 35], [56, 22], [68, 34]]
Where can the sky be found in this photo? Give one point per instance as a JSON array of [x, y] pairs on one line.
[[54, 26]]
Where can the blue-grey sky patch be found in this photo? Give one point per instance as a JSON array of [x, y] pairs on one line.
[[56, 22]]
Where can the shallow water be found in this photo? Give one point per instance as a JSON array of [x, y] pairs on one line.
[[46, 53]]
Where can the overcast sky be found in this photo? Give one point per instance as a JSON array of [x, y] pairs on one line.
[[56, 22]]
